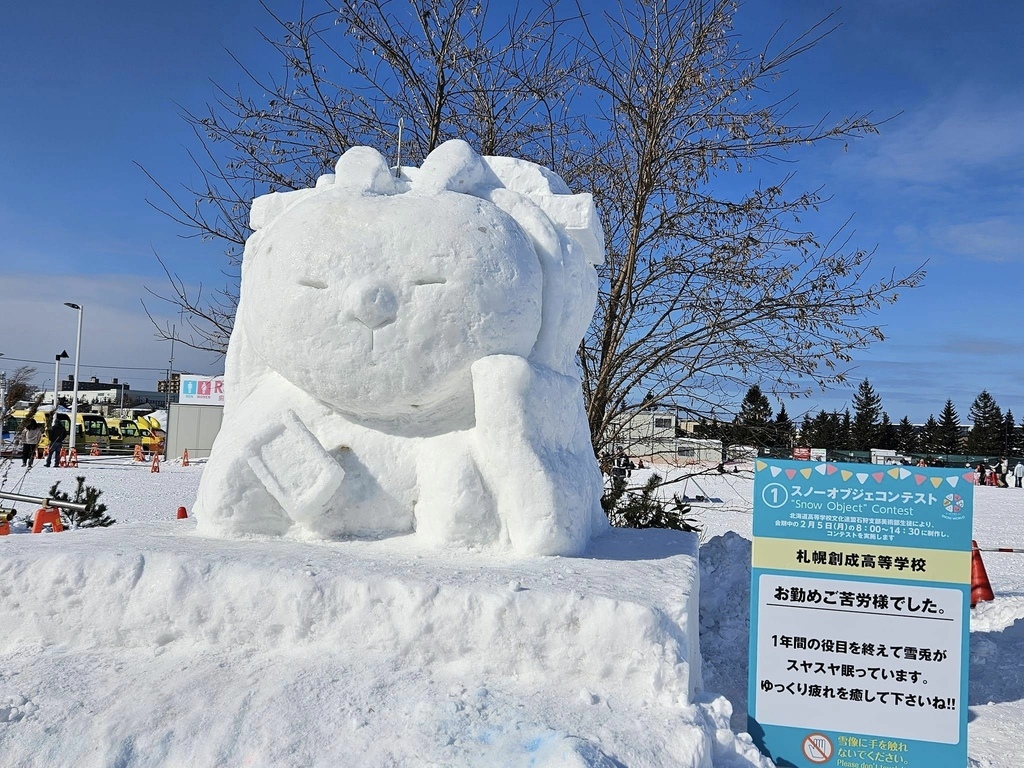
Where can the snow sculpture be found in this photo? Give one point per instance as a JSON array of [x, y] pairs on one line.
[[403, 360]]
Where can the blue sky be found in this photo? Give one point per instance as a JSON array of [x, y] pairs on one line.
[[91, 89]]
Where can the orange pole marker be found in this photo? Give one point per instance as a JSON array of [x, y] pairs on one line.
[[46, 515], [981, 589], [184, 458], [155, 467], [182, 513], [5, 527]]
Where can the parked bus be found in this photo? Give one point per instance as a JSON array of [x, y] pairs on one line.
[[124, 434], [91, 430]]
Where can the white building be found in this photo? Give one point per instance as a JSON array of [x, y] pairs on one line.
[[653, 437]]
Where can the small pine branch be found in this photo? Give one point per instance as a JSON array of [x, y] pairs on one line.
[[93, 516]]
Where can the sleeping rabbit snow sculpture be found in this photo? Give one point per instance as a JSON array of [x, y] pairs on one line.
[[403, 360]]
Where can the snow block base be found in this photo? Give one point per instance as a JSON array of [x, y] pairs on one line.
[[150, 645]]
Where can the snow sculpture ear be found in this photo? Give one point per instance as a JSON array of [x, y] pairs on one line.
[[363, 170], [455, 167], [548, 244], [576, 214], [268, 207]]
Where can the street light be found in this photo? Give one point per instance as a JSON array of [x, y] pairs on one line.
[[56, 379], [74, 395]]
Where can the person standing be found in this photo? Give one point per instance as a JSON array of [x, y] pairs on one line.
[[56, 436], [1001, 470], [30, 435], [1018, 475]]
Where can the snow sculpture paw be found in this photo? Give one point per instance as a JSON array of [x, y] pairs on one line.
[[403, 359]]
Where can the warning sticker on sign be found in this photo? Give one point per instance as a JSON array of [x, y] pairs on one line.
[[817, 748]]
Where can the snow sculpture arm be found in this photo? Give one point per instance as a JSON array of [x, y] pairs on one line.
[[535, 456]]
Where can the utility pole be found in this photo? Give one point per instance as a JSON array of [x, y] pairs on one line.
[[170, 369]]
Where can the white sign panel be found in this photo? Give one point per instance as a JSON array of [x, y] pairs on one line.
[[201, 390], [884, 648]]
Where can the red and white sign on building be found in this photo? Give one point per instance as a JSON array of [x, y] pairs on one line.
[[201, 390]]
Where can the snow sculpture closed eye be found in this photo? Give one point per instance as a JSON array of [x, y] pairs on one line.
[[403, 360]]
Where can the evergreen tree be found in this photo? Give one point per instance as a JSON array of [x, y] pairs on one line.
[[887, 436], [95, 514], [1010, 443], [906, 437], [806, 436], [751, 424], [844, 433], [930, 440], [867, 417], [985, 437], [948, 437], [784, 433]]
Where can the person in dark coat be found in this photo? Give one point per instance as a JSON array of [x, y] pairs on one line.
[[56, 435]]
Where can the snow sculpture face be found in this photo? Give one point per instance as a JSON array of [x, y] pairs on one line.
[[377, 305]]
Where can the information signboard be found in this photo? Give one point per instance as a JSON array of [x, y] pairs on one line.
[[201, 390], [860, 601]]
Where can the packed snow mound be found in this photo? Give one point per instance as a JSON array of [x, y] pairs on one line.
[[148, 645], [403, 360]]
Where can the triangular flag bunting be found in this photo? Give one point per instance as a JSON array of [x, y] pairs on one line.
[[790, 473], [820, 469], [776, 471], [863, 477], [919, 479], [879, 476], [904, 473], [831, 469], [936, 482], [806, 473], [760, 465], [894, 473], [845, 474], [968, 476], [953, 481]]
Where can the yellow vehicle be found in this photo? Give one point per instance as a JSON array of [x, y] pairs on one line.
[[91, 430], [124, 434], [153, 437]]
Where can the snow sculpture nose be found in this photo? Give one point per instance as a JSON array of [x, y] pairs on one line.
[[372, 305]]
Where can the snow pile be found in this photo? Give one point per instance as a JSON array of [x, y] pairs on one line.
[[149, 645], [725, 617]]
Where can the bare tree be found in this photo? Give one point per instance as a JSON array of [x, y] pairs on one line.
[[448, 69], [704, 291], [19, 387]]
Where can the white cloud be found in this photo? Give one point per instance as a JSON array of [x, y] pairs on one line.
[[949, 140], [996, 239]]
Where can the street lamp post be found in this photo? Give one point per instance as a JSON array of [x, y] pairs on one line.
[[56, 380], [74, 396]]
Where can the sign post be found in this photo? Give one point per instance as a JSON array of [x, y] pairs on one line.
[[860, 607]]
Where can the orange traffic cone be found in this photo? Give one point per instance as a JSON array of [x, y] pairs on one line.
[[138, 455], [155, 467], [184, 458], [182, 513], [72, 458], [63, 462], [95, 450], [981, 590], [46, 515]]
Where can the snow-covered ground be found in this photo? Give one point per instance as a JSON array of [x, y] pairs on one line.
[[289, 705]]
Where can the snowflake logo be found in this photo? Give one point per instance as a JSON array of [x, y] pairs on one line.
[[953, 503]]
